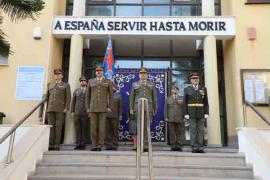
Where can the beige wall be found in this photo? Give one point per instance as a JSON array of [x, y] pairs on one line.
[[242, 53], [46, 52]]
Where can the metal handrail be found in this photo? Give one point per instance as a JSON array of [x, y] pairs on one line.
[[12, 131], [246, 103], [143, 108]]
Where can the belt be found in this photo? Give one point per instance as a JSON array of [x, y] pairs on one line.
[[196, 105]]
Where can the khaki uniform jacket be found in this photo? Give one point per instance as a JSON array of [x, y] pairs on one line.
[[143, 90], [173, 109], [78, 102], [58, 97], [192, 97], [116, 106], [99, 95]]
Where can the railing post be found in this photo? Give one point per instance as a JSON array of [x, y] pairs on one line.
[[10, 148], [138, 152], [150, 153]]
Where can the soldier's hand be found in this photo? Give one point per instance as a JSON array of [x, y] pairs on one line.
[[109, 110], [186, 116], [120, 118], [72, 114], [131, 112], [206, 116], [88, 110], [65, 110]]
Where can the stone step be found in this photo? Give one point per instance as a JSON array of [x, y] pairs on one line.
[[126, 169], [174, 158], [110, 177]]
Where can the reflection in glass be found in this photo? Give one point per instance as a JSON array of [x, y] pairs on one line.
[[157, 1], [181, 79], [184, 11], [156, 10], [129, 1], [156, 64], [184, 63], [99, 11], [127, 64], [128, 10]]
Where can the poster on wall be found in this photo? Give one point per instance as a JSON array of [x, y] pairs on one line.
[[29, 83]]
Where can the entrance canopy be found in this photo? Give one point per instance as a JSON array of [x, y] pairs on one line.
[[101, 27]]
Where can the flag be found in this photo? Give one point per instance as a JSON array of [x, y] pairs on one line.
[[108, 62]]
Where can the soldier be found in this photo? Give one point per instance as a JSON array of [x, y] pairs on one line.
[[142, 89], [196, 110], [58, 97], [98, 98], [173, 112], [79, 113], [112, 121]]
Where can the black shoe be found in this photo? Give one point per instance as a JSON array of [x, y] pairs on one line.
[[109, 148], [178, 149], [114, 148], [201, 151], [94, 149], [173, 148], [134, 149], [82, 147], [77, 148], [194, 151], [145, 149], [51, 148], [57, 148], [98, 149]]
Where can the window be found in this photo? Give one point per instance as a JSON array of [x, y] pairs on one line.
[[3, 60], [156, 10], [156, 63], [257, 1], [99, 11], [127, 63], [128, 10], [129, 1], [184, 10], [157, 1]]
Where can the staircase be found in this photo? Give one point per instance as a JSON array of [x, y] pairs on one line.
[[121, 165]]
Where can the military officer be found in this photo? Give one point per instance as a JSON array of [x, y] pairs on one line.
[[142, 89], [98, 98], [112, 121], [79, 113], [196, 110], [173, 113], [58, 97]]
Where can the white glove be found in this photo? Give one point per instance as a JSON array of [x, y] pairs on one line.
[[206, 116], [186, 116]]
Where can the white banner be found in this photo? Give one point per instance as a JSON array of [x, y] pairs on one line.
[[167, 26]]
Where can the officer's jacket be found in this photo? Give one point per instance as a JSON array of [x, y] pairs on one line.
[[116, 106], [99, 95], [58, 97], [143, 90], [78, 102], [173, 109], [195, 102]]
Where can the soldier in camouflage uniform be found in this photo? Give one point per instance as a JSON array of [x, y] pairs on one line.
[[173, 113], [143, 89], [79, 113], [112, 121], [99, 95], [196, 110], [58, 97]]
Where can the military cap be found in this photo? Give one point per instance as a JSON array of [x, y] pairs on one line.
[[58, 71], [195, 75], [82, 79], [143, 70], [99, 68], [176, 87]]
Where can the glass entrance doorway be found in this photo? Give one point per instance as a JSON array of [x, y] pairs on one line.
[[178, 57]]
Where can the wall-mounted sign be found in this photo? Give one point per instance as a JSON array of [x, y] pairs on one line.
[[29, 83], [223, 27]]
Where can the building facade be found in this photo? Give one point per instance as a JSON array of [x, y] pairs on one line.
[[231, 57]]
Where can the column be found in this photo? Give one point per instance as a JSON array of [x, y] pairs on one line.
[[211, 79], [75, 68]]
